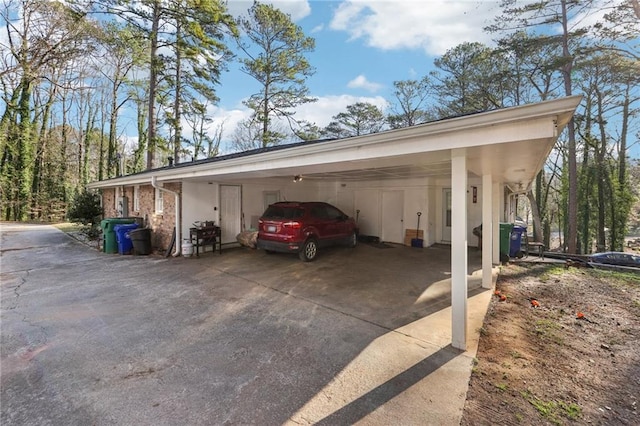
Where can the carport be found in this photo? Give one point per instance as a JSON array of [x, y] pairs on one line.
[[500, 152]]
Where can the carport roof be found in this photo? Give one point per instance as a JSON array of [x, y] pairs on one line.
[[511, 144]]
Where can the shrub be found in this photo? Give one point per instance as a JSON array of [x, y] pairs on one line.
[[86, 208]]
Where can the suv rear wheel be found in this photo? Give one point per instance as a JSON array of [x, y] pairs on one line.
[[309, 250]]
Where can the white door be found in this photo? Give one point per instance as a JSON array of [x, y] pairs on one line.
[[230, 212], [446, 214], [346, 203], [392, 216], [367, 206]]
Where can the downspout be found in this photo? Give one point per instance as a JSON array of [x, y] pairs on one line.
[[177, 224]]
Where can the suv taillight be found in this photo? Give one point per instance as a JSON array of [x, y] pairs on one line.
[[292, 225]]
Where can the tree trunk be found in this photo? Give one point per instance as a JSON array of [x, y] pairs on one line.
[[621, 209], [585, 212], [8, 120], [84, 171], [177, 101], [138, 153], [265, 117], [102, 141], [572, 211], [38, 167], [61, 187], [113, 127], [622, 154], [535, 213], [602, 177], [24, 164], [153, 86]]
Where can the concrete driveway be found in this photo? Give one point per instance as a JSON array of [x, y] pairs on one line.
[[358, 336]]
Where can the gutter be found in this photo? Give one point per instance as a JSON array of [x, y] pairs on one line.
[[560, 110], [154, 183]]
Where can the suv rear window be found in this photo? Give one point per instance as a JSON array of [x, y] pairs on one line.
[[281, 212]]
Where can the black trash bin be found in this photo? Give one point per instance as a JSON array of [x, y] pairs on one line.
[[141, 239]]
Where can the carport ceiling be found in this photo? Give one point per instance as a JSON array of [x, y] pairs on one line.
[[515, 163], [400, 167], [385, 173]]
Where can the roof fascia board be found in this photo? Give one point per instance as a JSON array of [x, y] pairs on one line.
[[560, 110], [468, 138]]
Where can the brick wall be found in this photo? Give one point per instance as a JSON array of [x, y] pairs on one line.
[[108, 202], [161, 224]]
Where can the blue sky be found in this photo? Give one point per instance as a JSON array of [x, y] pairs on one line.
[[362, 47]]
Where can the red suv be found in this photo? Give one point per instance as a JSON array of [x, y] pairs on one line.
[[303, 227]]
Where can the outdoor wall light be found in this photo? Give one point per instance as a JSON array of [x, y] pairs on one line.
[[297, 178]]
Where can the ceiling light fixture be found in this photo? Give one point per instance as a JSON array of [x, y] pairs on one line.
[[297, 178]]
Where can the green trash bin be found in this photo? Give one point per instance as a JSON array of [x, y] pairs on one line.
[[110, 243], [505, 240]]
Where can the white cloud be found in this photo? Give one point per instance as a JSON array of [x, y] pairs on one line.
[[297, 9], [432, 25], [130, 143], [588, 17], [228, 118], [320, 112], [361, 82]]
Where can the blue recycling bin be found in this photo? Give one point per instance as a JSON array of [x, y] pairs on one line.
[[515, 247], [109, 234], [122, 237]]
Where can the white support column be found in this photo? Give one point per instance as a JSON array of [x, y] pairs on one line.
[[487, 231], [459, 249], [497, 206]]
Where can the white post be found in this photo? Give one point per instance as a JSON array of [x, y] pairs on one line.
[[459, 249], [487, 231], [497, 206]]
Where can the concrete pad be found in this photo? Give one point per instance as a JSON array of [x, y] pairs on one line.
[[358, 336], [408, 375]]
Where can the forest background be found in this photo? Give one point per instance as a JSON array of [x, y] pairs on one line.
[[70, 72]]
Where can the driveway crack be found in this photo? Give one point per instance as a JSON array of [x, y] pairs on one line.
[[16, 289]]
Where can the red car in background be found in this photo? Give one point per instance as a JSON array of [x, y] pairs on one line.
[[304, 227]]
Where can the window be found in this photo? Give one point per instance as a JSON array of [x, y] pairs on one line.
[[280, 212], [333, 213], [159, 201], [319, 212], [136, 198]]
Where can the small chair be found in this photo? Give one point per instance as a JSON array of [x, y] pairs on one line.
[[531, 245]]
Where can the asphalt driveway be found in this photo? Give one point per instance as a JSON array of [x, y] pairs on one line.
[[240, 338]]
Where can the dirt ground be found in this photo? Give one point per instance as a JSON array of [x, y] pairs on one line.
[[561, 347]]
